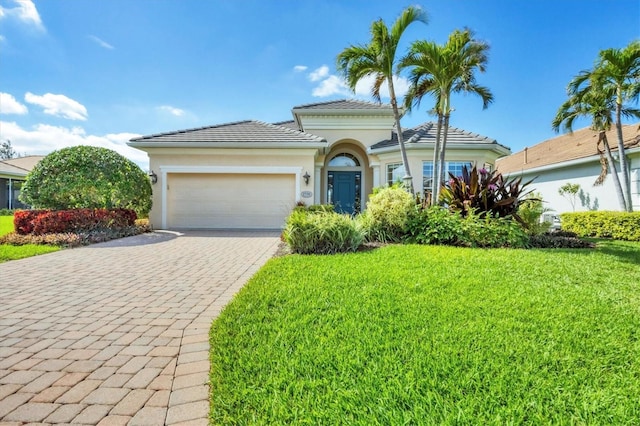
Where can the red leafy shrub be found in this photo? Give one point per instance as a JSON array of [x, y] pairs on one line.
[[40, 222]]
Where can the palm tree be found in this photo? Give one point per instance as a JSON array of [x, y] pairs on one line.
[[441, 70], [597, 105], [617, 75], [620, 71], [378, 59]]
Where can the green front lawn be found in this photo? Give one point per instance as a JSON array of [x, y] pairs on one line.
[[433, 335], [8, 252]]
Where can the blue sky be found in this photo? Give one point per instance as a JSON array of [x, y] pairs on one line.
[[101, 72]]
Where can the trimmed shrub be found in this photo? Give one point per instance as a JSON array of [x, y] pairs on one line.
[[317, 208], [603, 224], [87, 177], [492, 232], [40, 222], [437, 225], [387, 213], [433, 225], [319, 232], [71, 239], [6, 212]]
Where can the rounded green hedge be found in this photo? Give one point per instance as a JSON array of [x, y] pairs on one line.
[[87, 177]]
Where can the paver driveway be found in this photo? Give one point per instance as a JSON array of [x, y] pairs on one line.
[[117, 333]]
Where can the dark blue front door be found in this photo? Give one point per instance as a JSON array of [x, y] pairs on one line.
[[346, 191]]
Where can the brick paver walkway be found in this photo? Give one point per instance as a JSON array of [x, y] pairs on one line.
[[117, 333]]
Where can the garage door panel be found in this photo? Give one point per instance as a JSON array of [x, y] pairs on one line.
[[229, 200]]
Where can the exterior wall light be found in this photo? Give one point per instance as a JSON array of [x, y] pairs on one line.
[[306, 178], [153, 177]]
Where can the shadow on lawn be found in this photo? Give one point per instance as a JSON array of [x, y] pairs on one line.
[[623, 250]]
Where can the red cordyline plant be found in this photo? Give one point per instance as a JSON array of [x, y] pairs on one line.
[[484, 192]]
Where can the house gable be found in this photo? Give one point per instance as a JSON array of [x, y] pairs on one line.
[[366, 122]]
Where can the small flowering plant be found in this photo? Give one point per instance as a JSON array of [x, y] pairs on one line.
[[485, 193]]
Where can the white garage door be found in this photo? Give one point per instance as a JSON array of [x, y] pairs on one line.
[[228, 201]]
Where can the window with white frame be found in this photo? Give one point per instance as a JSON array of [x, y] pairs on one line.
[[395, 173], [427, 177], [453, 167]]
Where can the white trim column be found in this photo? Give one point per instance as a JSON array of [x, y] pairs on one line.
[[10, 198], [317, 183], [376, 174]]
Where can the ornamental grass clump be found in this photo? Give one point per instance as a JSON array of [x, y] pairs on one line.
[[321, 232]]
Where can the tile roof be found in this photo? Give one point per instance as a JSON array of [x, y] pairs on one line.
[[344, 104], [237, 132], [289, 124], [571, 146], [426, 134]]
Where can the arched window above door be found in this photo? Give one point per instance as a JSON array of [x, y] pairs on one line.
[[344, 160]]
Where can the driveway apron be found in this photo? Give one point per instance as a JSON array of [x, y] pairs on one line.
[[117, 333]]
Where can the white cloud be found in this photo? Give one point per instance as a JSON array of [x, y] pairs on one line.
[[172, 110], [24, 11], [328, 84], [43, 139], [400, 85], [333, 85], [300, 68], [101, 42], [58, 105], [319, 73], [9, 105]]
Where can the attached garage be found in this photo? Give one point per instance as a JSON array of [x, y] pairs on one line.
[[229, 200], [243, 175]]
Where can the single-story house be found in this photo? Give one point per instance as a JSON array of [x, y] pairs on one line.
[[574, 158], [251, 174], [12, 173]]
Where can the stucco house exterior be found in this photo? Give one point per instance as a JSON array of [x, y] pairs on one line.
[[573, 158], [250, 174], [12, 173]]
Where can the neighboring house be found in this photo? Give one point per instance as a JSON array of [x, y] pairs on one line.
[[573, 158], [251, 174], [12, 173]]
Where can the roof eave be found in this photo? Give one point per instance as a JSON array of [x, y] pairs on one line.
[[345, 112], [500, 149], [252, 145], [567, 163]]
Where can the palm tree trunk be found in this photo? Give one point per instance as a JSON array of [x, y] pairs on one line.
[[443, 148], [407, 179], [435, 189], [624, 166], [613, 171]]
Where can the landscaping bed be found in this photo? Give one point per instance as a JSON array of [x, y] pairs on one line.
[[14, 245], [408, 334]]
